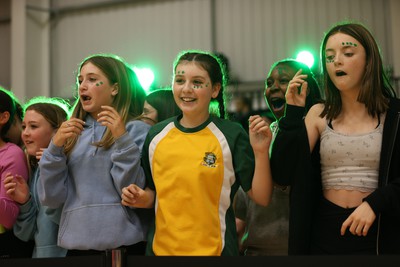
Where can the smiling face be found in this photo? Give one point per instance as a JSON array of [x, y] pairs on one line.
[[345, 62], [36, 132], [276, 85], [95, 89], [193, 91]]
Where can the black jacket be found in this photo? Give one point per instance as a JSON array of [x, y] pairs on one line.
[[293, 164]]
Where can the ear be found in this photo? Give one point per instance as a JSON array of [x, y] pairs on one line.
[[115, 89], [215, 90], [4, 117]]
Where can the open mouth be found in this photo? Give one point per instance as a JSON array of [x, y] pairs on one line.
[[340, 73], [277, 103], [85, 98]]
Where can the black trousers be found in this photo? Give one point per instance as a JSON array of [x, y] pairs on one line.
[[135, 249], [326, 238], [12, 247]]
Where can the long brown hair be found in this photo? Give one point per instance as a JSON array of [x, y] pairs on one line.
[[376, 88], [128, 102]]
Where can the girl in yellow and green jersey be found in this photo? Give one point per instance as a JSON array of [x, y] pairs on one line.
[[194, 164]]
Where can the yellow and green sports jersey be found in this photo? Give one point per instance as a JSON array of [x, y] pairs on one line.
[[195, 173]]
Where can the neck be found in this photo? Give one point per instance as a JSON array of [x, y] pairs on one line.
[[193, 121]]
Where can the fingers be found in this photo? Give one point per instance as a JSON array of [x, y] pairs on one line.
[[68, 129], [359, 227], [74, 125], [257, 122], [110, 118], [130, 194]]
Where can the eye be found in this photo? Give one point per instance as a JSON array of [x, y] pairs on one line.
[[179, 80], [269, 82], [197, 82], [23, 126], [283, 81], [349, 54], [330, 57]]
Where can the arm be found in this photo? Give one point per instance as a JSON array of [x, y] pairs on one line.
[[13, 163], [52, 188], [260, 140], [289, 145], [25, 226], [294, 140], [126, 166], [52, 185]]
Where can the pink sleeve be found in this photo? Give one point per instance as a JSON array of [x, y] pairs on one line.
[[12, 160]]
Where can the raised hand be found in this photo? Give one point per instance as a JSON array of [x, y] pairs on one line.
[[110, 118], [16, 188], [296, 92], [67, 130], [260, 134]]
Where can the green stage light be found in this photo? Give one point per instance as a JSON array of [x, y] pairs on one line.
[[145, 76], [306, 57]]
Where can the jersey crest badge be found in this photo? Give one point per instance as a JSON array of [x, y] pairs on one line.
[[209, 160]]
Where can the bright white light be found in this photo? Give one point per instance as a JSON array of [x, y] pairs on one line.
[[305, 57], [145, 76]]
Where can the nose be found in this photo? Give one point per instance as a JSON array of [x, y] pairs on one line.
[[337, 60], [187, 87], [275, 86], [82, 86], [24, 132]]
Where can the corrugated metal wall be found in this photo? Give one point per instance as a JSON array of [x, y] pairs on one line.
[[251, 33]]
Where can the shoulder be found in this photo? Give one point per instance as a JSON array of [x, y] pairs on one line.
[[13, 150], [313, 118], [137, 125], [227, 125], [316, 109]]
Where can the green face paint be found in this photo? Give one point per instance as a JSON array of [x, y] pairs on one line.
[[99, 83], [349, 44]]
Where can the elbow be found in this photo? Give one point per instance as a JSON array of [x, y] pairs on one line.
[[264, 202]]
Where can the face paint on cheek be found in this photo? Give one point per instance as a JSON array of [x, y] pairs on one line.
[[99, 83], [207, 84]]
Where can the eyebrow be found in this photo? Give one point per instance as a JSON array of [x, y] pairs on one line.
[[342, 47], [90, 73]]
